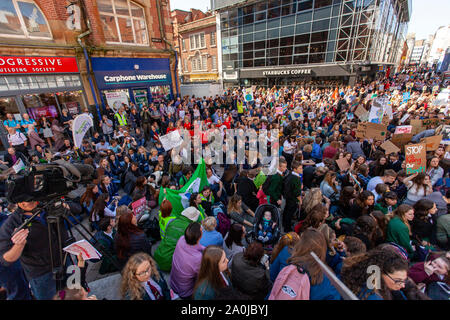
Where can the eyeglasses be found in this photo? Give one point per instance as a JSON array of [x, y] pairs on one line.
[[396, 281], [143, 273]]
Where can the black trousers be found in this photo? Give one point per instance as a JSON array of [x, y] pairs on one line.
[[289, 210]]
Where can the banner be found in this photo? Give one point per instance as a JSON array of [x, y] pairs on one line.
[[416, 157], [80, 126], [115, 99], [297, 114], [180, 198], [171, 140]]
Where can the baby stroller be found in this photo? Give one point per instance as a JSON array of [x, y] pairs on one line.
[[259, 215]]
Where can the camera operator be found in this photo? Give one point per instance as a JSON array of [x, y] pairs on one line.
[[32, 246]]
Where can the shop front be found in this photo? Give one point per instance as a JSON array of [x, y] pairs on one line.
[[125, 80], [39, 86]]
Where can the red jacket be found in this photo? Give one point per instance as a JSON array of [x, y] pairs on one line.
[[329, 152], [418, 274]]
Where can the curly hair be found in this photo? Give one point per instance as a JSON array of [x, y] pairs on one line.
[[312, 197], [130, 285], [354, 271]]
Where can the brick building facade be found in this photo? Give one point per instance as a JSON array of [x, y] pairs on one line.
[[196, 42], [116, 34]]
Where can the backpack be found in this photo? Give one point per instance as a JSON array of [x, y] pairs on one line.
[[223, 221], [292, 283]]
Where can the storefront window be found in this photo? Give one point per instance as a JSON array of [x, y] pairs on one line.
[[140, 97], [115, 98], [72, 101], [159, 93], [41, 105]]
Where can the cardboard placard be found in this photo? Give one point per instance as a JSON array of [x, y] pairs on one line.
[[416, 126], [362, 113], [403, 129], [343, 164], [361, 130], [432, 142], [446, 135], [416, 158], [431, 122], [389, 147], [401, 139], [376, 131]]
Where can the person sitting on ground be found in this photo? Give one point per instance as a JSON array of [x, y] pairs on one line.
[[210, 236], [388, 203], [104, 240], [186, 261]]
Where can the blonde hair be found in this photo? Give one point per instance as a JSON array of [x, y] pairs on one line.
[[209, 224], [130, 285], [120, 211]]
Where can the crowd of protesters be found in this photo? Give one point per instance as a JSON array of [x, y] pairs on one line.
[[371, 213]]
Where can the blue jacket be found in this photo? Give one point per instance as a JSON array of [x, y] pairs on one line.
[[279, 263], [324, 291], [209, 238], [335, 262], [316, 151]]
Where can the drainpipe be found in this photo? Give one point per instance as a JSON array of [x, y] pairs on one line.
[[86, 57], [163, 36]]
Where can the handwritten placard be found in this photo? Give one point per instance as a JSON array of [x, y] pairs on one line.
[[432, 142], [401, 139], [416, 158], [403, 129], [139, 205], [389, 147]]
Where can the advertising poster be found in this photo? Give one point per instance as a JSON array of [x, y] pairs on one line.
[[72, 107], [39, 112], [115, 99]]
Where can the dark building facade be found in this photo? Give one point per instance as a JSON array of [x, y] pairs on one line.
[[277, 42]]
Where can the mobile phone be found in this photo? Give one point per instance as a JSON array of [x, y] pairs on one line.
[[264, 259]]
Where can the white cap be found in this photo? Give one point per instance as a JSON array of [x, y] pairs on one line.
[[191, 213]]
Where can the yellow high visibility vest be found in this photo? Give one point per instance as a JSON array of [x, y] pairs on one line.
[[121, 118]]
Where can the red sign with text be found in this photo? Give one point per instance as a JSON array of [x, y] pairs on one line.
[[20, 65]]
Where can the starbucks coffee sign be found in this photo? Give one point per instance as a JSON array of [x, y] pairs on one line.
[[286, 72]]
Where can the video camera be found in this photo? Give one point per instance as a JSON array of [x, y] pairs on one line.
[[45, 182]]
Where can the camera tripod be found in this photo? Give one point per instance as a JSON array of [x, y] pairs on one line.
[[57, 214]]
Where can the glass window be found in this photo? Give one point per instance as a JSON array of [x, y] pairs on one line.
[[319, 36], [273, 33], [260, 54], [249, 19], [287, 10], [334, 23], [275, 23], [336, 10], [12, 83], [248, 55], [329, 57], [32, 25], [261, 6], [273, 52], [322, 13], [301, 39], [212, 39], [233, 23], [287, 21], [320, 25], [248, 63], [51, 81], [248, 29], [248, 46], [304, 17], [318, 47], [322, 3], [273, 13], [260, 45], [260, 35], [286, 51], [260, 26], [273, 43], [287, 41], [331, 46], [260, 62], [273, 3], [248, 37], [317, 58], [272, 61], [333, 34], [287, 31], [305, 5], [123, 22], [285, 60], [303, 28], [301, 49], [260, 16], [303, 59]]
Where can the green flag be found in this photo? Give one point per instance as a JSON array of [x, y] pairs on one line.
[[180, 198], [260, 179]]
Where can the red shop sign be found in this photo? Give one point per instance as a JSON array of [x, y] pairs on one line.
[[20, 65]]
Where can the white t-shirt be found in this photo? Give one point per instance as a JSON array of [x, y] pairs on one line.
[[373, 183], [213, 180]]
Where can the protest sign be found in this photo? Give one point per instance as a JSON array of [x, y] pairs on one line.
[[417, 126], [403, 129], [375, 131], [248, 94], [430, 122], [446, 135], [350, 116], [86, 249], [416, 157], [18, 166], [403, 119], [116, 99], [406, 97], [376, 115], [401, 139], [343, 164], [171, 140], [389, 147], [388, 111], [279, 110], [311, 115], [361, 130], [432, 142], [139, 205], [297, 114], [362, 113]]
